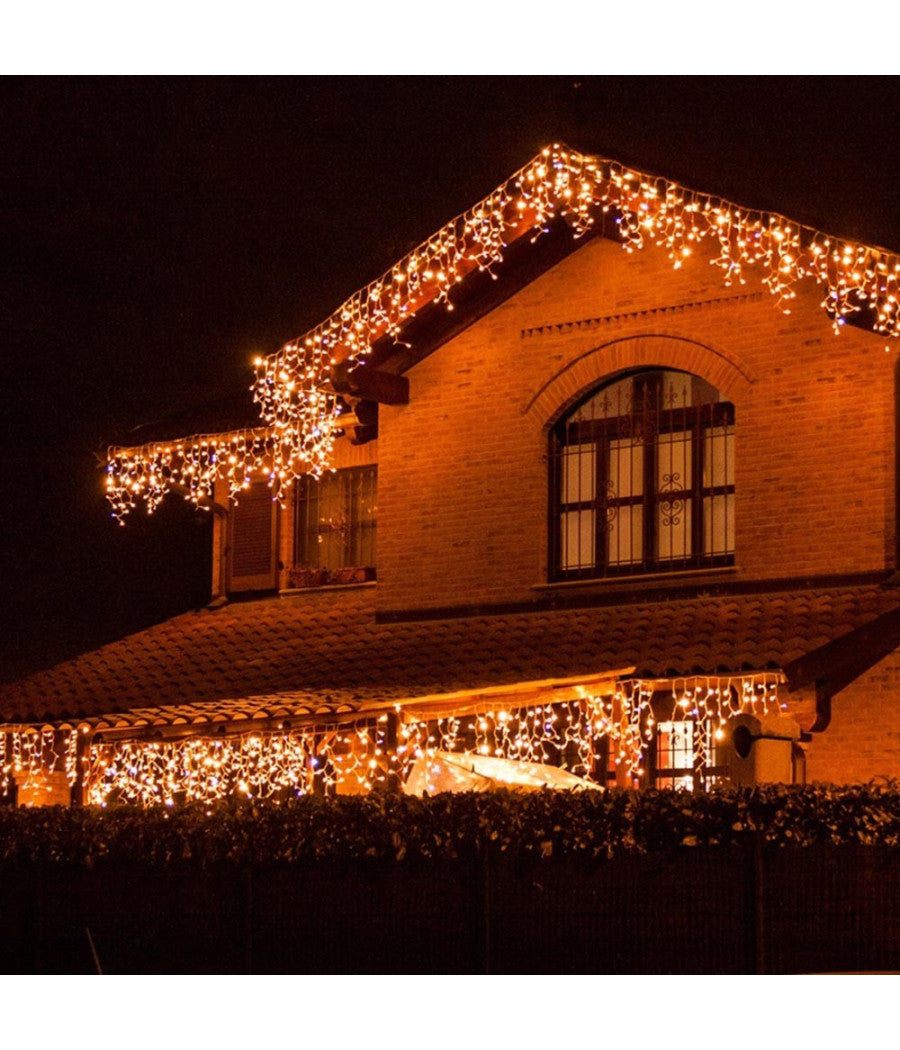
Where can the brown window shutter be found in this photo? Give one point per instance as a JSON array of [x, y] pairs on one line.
[[252, 563]]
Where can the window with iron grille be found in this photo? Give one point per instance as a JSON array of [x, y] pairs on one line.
[[642, 479], [334, 520]]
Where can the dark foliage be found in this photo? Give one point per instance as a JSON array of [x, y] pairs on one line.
[[538, 825]]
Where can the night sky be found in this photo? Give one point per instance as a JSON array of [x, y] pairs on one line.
[[159, 233]]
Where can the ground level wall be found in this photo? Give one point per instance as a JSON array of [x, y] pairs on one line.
[[862, 741]]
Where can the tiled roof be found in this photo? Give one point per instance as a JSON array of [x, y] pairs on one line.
[[291, 704], [327, 645]]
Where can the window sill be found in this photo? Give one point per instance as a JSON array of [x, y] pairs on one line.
[[638, 581], [289, 592]]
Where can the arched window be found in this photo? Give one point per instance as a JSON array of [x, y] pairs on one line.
[[642, 479]]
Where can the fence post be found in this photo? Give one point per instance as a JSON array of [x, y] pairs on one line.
[[754, 905], [248, 920], [481, 911], [37, 927]]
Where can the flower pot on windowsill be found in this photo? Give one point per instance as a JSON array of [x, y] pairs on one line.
[[355, 574], [301, 576]]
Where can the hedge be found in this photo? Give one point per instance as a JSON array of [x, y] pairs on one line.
[[539, 825]]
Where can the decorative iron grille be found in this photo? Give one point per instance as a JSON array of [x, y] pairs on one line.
[[642, 479], [335, 520]]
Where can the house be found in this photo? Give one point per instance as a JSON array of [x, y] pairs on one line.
[[602, 476]]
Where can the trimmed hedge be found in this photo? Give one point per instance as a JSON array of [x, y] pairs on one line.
[[538, 825]]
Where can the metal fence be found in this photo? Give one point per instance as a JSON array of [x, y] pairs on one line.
[[692, 911]]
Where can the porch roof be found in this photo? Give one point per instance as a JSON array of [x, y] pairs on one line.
[[327, 650]]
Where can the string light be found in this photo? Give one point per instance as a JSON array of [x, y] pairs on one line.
[[252, 765], [199, 770], [357, 756], [33, 756], [709, 703], [568, 734], [194, 466], [300, 413]]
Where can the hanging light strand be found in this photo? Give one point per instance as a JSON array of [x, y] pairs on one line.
[[356, 757], [30, 756], [256, 765], [567, 734], [301, 414]]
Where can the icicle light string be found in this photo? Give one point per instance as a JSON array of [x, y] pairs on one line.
[[32, 755], [199, 770], [301, 415], [558, 734], [355, 757], [254, 765], [710, 703], [567, 734]]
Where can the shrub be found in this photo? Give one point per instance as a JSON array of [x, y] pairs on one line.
[[538, 825]]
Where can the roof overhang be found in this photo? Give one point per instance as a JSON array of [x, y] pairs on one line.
[[531, 221], [322, 708], [833, 666], [290, 710]]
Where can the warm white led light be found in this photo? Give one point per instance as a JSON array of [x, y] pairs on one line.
[[292, 387]]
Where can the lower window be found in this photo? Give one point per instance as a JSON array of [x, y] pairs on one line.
[[334, 527], [687, 754]]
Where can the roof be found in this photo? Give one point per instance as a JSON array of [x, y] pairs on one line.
[[582, 189], [327, 649], [561, 189]]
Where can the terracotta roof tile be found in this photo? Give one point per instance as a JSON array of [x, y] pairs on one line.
[[329, 641]]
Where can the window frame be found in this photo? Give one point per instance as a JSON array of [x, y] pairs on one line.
[[698, 420], [701, 768], [305, 531]]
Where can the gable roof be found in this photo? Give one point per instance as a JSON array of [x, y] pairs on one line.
[[329, 649], [425, 331], [560, 188], [591, 193]]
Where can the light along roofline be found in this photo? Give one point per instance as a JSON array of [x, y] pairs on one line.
[[611, 706], [293, 708], [300, 412]]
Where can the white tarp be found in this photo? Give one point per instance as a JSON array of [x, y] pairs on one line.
[[446, 771]]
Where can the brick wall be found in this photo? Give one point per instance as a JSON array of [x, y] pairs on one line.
[[463, 472], [863, 739]]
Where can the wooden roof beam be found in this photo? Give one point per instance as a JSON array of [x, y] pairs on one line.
[[370, 384]]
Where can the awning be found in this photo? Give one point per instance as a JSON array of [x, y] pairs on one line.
[[443, 771]]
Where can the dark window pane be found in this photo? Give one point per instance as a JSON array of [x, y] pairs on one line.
[[643, 478], [335, 519]]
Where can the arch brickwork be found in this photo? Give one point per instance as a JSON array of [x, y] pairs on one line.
[[724, 371]]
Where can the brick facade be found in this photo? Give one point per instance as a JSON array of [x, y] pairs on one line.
[[463, 468], [862, 740]]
